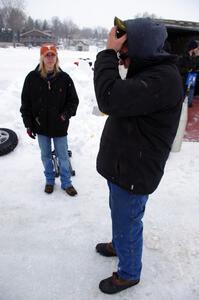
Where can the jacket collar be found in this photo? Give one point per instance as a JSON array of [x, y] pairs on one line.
[[50, 78], [139, 65]]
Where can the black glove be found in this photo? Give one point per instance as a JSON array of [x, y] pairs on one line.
[[31, 133]]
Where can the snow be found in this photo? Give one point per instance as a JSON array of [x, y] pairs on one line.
[[47, 242]]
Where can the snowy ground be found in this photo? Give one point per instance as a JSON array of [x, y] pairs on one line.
[[47, 242]]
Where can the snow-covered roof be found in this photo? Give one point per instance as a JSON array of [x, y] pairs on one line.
[[180, 24], [33, 31]]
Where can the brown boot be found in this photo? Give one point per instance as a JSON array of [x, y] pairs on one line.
[[71, 191], [106, 249], [49, 188], [115, 284]]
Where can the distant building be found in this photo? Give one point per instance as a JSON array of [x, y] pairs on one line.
[[180, 33], [77, 44], [36, 37], [81, 46], [6, 35]]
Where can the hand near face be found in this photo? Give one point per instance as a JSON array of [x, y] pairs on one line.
[[113, 42], [194, 52]]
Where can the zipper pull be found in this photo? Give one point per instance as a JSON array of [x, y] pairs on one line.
[[49, 87]]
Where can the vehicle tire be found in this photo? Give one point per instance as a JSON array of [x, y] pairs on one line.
[[8, 141]]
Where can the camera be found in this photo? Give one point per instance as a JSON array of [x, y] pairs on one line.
[[121, 29]]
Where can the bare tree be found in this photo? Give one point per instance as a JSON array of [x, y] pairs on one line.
[[100, 33], [16, 19], [13, 4], [2, 25], [145, 15], [45, 25], [14, 16], [38, 24], [56, 27], [29, 24], [65, 29], [68, 29], [73, 29], [86, 32]]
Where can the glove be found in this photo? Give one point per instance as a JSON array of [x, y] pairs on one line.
[[31, 134], [63, 117]]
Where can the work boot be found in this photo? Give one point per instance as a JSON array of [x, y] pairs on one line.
[[49, 188], [115, 284], [106, 249], [71, 191]]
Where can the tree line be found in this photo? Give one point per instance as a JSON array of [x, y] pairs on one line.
[[14, 21]]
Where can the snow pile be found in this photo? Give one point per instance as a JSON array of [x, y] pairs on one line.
[[47, 241]]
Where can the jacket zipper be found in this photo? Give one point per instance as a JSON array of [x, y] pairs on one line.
[[49, 86]]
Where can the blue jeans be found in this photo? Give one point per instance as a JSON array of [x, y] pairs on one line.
[[61, 150], [127, 211]]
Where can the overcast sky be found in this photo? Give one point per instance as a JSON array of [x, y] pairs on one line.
[[94, 13]]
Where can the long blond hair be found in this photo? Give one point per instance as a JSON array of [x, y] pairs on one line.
[[43, 70]]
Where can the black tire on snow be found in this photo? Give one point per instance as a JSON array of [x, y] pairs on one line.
[[8, 141]]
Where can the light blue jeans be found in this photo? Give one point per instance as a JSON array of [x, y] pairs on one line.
[[61, 150], [127, 211]]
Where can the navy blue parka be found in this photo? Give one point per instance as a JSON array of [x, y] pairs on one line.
[[143, 113]]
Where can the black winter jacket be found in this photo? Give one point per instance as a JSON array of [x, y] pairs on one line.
[[144, 113], [43, 101]]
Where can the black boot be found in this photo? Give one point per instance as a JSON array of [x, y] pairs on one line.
[[106, 249], [49, 188], [115, 284], [71, 191]]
